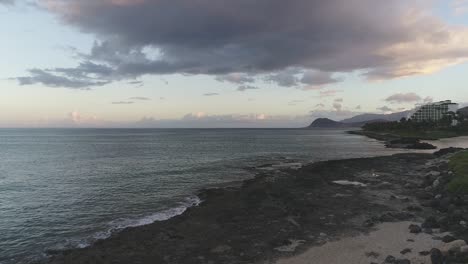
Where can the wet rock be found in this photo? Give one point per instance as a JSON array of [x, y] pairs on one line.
[[406, 251], [390, 259], [424, 196], [437, 257], [372, 254], [430, 222], [444, 204], [436, 184], [402, 261], [424, 253], [446, 151], [433, 174], [414, 208], [369, 223], [428, 231], [415, 229], [448, 239]]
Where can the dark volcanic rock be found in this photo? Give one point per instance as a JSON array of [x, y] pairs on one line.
[[402, 261], [437, 257], [415, 229], [446, 151], [448, 239], [406, 251], [430, 222], [247, 224], [390, 259]]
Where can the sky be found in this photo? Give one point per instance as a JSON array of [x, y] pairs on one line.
[[225, 63]]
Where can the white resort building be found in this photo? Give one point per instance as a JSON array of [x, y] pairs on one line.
[[433, 111]]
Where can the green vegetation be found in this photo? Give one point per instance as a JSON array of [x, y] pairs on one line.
[[420, 130], [459, 164]]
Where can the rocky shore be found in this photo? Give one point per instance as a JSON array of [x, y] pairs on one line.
[[395, 141], [283, 214]]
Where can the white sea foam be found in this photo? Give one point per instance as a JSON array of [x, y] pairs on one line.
[[121, 224], [158, 216], [353, 183]]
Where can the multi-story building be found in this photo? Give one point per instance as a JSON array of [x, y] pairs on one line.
[[433, 111]]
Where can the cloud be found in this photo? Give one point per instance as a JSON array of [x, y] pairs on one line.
[[332, 114], [428, 100], [238, 78], [70, 80], [285, 78], [316, 79], [123, 103], [460, 7], [211, 94], [403, 98], [337, 106], [140, 98], [385, 109], [204, 120], [396, 39], [358, 107], [339, 100], [244, 88], [328, 93]]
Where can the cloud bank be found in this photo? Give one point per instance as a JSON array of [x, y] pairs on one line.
[[237, 40]]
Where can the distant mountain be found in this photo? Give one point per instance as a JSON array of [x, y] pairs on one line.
[[366, 118], [326, 123], [463, 111]]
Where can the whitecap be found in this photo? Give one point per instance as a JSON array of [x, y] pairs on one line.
[[353, 183]]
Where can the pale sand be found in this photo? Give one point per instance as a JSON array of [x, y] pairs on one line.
[[388, 239]]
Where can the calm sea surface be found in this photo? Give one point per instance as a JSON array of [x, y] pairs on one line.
[[63, 188]]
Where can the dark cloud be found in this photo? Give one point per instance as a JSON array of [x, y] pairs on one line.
[[285, 78], [238, 78], [123, 103], [403, 98], [317, 79], [48, 78], [211, 94], [383, 39], [244, 88]]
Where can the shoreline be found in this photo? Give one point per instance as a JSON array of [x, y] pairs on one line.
[[275, 215], [396, 141]]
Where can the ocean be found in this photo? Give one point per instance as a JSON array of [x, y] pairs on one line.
[[65, 188]]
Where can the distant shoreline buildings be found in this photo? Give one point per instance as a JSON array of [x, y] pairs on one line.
[[434, 111]]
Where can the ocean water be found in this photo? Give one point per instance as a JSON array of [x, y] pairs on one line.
[[63, 188]]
